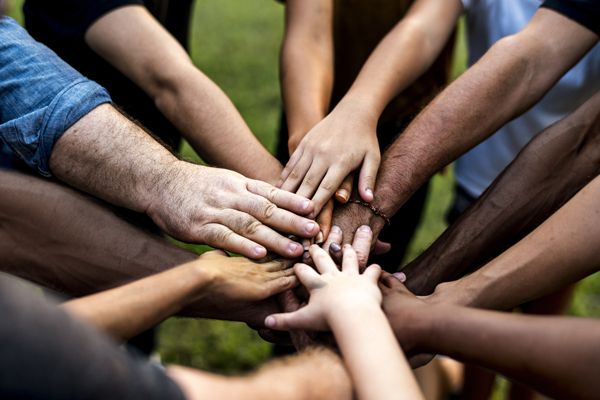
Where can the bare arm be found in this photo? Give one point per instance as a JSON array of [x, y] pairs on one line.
[[106, 155], [510, 78], [554, 166], [157, 63], [556, 356], [346, 139]]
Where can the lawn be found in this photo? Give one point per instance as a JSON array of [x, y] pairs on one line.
[[236, 43]]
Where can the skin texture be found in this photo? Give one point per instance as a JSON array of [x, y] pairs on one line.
[[509, 79], [556, 356], [349, 304], [80, 247], [128, 310], [106, 155], [552, 168], [327, 149], [157, 63]]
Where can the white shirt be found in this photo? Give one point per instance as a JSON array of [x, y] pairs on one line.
[[487, 22]]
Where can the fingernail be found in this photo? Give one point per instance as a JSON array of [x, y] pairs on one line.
[[304, 205], [293, 247], [258, 250], [343, 194], [335, 247], [293, 237], [270, 322], [400, 276], [369, 192], [335, 229], [305, 256], [309, 227], [320, 238], [365, 228], [346, 246]]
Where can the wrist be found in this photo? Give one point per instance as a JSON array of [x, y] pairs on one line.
[[353, 312], [359, 108]]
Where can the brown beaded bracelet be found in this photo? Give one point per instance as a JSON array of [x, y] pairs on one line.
[[376, 210]]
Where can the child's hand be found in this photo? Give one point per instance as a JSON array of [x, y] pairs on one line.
[[239, 278], [331, 292]]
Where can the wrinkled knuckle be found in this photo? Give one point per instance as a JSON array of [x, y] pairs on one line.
[[269, 211], [251, 227], [309, 181], [328, 186], [294, 174]]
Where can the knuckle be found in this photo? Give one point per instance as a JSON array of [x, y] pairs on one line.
[[251, 227], [269, 211], [294, 174]]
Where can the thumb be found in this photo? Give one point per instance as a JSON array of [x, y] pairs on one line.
[[368, 175], [296, 320], [381, 247]]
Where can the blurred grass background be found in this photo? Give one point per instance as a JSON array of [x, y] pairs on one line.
[[236, 43]]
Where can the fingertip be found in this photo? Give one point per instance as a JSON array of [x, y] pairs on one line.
[[342, 196], [270, 322], [401, 276]]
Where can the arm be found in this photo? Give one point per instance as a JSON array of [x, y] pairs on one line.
[[556, 356], [154, 60], [561, 251], [350, 305], [106, 155], [126, 311], [510, 78], [306, 71], [552, 168], [347, 137]]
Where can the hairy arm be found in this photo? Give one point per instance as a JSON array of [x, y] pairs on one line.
[[556, 356], [510, 78], [157, 63], [554, 166]]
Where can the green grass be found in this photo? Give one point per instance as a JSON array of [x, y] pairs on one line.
[[236, 43]]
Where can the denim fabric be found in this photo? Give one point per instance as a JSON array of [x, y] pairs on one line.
[[40, 96]]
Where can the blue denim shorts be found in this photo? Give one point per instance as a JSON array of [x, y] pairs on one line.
[[41, 96]]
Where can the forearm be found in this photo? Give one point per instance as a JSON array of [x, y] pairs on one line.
[[378, 368], [128, 310], [306, 71], [510, 78], [554, 166], [555, 356]]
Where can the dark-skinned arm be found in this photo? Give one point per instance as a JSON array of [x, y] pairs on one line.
[[554, 166], [509, 79], [556, 356]]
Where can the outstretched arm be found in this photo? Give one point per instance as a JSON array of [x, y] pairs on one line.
[[554, 166], [510, 78], [157, 63], [556, 356], [346, 140]]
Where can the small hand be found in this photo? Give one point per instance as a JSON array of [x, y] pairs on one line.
[[238, 278], [346, 140], [332, 291], [223, 209]]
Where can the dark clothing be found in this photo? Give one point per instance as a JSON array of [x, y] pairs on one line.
[[61, 25], [47, 354], [585, 12]]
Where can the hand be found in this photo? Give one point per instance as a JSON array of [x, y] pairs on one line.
[[344, 141], [349, 217], [223, 209], [238, 278], [331, 292]]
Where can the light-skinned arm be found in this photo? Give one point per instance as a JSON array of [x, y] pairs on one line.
[[546, 174], [556, 356], [157, 63], [349, 304], [128, 310], [509, 79], [106, 155], [346, 140]]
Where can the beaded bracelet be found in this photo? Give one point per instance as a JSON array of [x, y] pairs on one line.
[[376, 210]]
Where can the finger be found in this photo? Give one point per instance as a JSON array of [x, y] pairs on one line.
[[349, 260], [392, 281], [276, 337], [381, 247], [220, 236], [307, 260], [296, 320], [311, 182], [283, 280], [373, 272], [309, 277], [322, 260], [343, 193], [288, 301], [362, 244], [335, 236], [296, 177], [279, 264], [327, 188], [281, 198], [250, 228], [324, 221], [335, 251], [289, 167], [368, 174]]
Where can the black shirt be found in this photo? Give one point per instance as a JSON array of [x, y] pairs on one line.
[[61, 25], [585, 12]]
